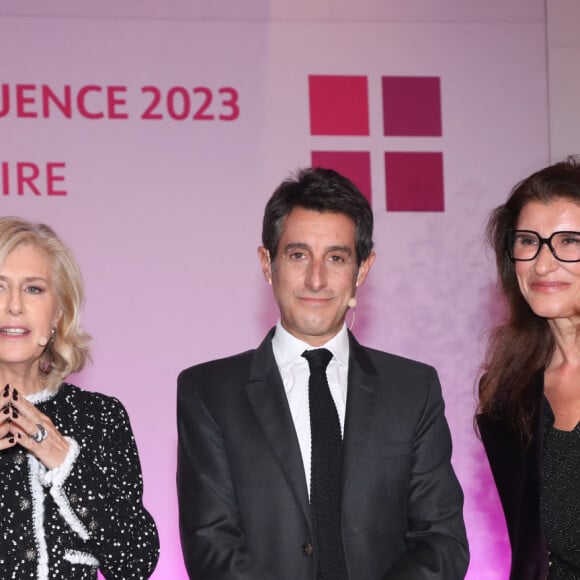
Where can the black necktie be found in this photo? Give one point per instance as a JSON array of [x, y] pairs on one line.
[[325, 481]]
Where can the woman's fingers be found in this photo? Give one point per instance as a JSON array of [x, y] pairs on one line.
[[7, 438], [33, 430]]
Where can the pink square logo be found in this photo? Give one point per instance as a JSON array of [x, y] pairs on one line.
[[355, 165], [338, 105], [412, 106], [414, 181]]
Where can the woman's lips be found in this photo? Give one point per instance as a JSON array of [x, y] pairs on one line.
[[549, 286], [14, 331]]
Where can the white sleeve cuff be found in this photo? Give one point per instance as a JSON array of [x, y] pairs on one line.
[[57, 475], [55, 478]]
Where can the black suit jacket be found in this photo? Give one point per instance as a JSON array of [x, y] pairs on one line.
[[243, 499], [517, 474]]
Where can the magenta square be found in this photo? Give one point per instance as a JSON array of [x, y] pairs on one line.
[[338, 105], [412, 106], [414, 181], [355, 165]]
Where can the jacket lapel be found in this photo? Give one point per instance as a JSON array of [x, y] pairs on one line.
[[360, 404], [267, 396]]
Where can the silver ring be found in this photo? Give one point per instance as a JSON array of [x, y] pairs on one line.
[[40, 435]]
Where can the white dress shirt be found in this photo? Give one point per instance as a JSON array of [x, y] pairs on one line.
[[295, 373]]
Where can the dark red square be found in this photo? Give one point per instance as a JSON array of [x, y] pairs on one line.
[[412, 106], [338, 105], [414, 181], [355, 165]]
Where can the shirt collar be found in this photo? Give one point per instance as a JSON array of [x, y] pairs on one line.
[[288, 349]]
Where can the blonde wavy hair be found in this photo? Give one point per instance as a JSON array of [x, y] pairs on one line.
[[68, 348]]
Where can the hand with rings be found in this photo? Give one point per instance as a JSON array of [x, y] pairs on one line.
[[40, 435], [21, 423]]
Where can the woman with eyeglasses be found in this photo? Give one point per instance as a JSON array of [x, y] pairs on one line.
[[529, 406]]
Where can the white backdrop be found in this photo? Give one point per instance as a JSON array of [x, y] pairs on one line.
[[164, 215]]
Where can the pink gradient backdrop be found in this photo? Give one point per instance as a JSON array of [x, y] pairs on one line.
[[165, 215]]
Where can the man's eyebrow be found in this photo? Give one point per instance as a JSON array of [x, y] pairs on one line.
[[293, 246], [345, 249], [296, 246], [303, 246]]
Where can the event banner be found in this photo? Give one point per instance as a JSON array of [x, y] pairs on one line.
[[151, 145]]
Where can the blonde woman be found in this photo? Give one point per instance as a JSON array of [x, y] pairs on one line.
[[71, 486]]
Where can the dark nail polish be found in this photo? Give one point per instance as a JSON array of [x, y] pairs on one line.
[[11, 440], [15, 414], [9, 420], [19, 436], [6, 410], [15, 395]]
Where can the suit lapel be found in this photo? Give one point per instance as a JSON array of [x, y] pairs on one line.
[[360, 404], [268, 399]]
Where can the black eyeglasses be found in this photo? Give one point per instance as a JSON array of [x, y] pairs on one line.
[[525, 245]]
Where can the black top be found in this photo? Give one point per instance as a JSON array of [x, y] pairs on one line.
[[85, 515], [560, 499]]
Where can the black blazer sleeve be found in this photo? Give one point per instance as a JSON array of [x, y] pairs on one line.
[[437, 546], [212, 539]]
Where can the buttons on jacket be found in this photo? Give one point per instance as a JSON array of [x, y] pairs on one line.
[[307, 549]]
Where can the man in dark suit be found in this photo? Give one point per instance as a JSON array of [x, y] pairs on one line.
[[256, 493]]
